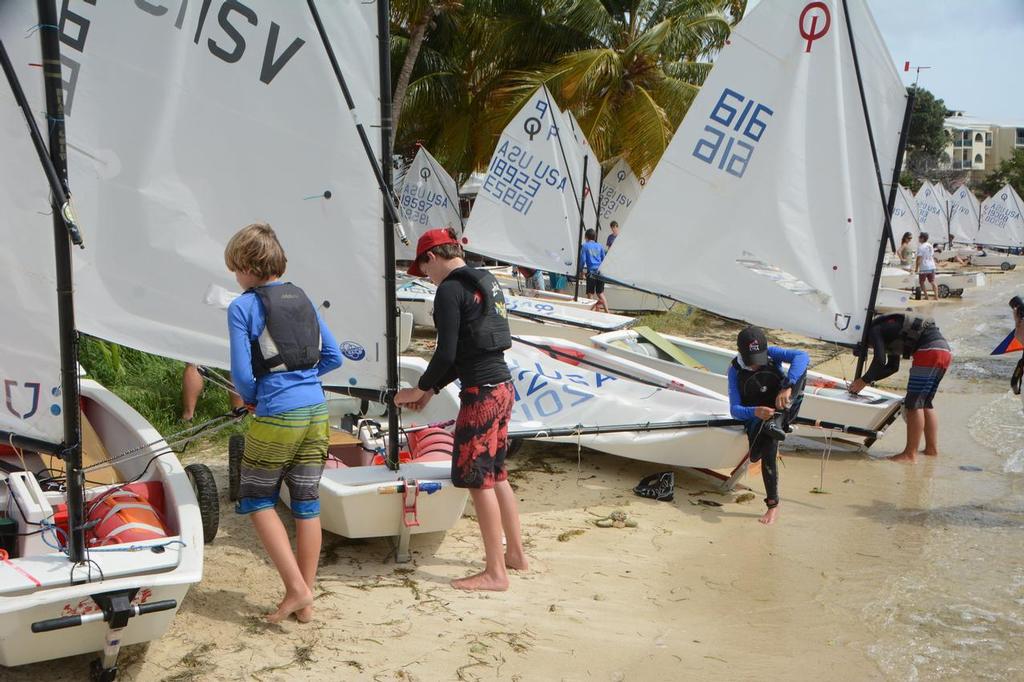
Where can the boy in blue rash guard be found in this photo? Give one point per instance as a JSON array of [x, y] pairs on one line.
[[280, 347], [591, 256], [766, 400]]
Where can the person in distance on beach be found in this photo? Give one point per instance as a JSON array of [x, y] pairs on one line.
[[889, 338], [766, 399], [472, 337]]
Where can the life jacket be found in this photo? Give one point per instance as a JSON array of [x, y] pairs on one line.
[[760, 387], [910, 335], [290, 340], [490, 331]]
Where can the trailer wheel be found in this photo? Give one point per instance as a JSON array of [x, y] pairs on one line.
[[236, 448], [943, 291], [205, 487], [1006, 265]]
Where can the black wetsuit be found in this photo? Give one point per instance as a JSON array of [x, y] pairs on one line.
[[456, 304], [885, 338]]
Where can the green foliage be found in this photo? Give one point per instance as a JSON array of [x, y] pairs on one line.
[[628, 70], [1010, 171], [150, 384], [927, 138], [910, 181]]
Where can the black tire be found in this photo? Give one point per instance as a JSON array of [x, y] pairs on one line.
[[205, 488], [943, 291], [236, 448], [1005, 265]]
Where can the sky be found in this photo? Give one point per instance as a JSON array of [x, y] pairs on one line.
[[975, 49]]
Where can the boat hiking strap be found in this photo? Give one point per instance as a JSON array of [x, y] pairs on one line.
[[667, 347]]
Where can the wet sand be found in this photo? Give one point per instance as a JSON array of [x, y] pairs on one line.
[[898, 572]]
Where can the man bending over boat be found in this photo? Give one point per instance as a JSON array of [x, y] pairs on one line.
[[895, 335], [279, 348], [766, 399], [472, 337]]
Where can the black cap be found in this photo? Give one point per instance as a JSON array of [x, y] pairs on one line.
[[753, 346]]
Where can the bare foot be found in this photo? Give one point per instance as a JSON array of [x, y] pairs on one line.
[[931, 453], [304, 615], [291, 603], [518, 562], [482, 581], [904, 457], [769, 516]]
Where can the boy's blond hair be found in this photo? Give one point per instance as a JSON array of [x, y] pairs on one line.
[[254, 249]]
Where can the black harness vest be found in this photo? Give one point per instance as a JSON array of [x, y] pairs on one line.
[[760, 387], [291, 339], [490, 331]]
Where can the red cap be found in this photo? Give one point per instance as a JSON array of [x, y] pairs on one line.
[[428, 240]]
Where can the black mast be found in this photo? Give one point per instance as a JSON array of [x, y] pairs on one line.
[[579, 241], [62, 237], [887, 203], [390, 295]]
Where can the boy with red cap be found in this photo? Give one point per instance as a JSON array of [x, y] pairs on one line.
[[472, 336]]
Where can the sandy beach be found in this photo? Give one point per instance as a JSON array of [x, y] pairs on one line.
[[898, 572]]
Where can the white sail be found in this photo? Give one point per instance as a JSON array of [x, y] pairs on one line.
[[226, 119], [931, 212], [1002, 220], [964, 215], [619, 193], [525, 212], [766, 205], [429, 198], [904, 216], [30, 349], [590, 192]]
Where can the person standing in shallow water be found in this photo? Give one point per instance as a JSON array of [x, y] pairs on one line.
[[767, 400], [896, 335], [472, 336]]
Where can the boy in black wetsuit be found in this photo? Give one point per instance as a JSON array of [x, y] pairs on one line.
[[895, 335], [472, 335]]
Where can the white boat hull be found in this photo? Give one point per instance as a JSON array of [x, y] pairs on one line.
[[166, 575], [892, 300], [998, 260], [825, 398]]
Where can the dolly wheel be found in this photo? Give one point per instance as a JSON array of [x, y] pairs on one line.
[[1005, 265], [236, 448], [205, 487], [943, 291]]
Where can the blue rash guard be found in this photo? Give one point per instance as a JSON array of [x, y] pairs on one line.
[[592, 255], [798, 361], [276, 392]]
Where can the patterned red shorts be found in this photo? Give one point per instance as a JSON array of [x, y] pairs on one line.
[[481, 436]]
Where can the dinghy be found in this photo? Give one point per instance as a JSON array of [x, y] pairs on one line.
[[101, 531], [701, 364], [164, 203], [791, 212], [1001, 229], [526, 315]]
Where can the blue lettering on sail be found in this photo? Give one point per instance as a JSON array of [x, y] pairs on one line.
[[736, 126]]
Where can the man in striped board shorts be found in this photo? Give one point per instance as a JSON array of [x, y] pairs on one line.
[[894, 336]]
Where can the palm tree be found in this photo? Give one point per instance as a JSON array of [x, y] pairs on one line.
[[628, 69], [632, 76]]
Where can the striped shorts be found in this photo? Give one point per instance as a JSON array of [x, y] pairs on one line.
[[926, 372], [291, 446]]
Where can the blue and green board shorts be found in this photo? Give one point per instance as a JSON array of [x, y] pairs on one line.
[[291, 446]]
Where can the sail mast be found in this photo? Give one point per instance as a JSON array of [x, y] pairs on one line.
[[886, 204], [579, 241], [62, 237], [390, 295]]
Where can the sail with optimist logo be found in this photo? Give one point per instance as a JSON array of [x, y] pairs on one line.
[[786, 205]]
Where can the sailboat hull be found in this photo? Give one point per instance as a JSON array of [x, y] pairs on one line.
[[166, 574], [824, 400]]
